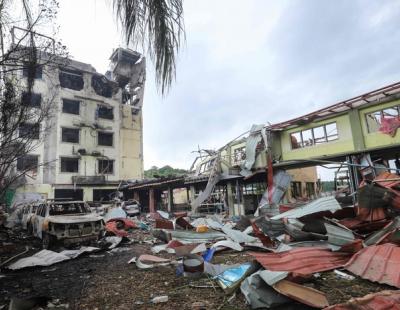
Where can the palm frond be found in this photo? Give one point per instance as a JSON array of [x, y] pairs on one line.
[[158, 25]]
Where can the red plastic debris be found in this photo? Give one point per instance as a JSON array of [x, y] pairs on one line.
[[304, 261], [377, 263], [385, 300], [120, 226]]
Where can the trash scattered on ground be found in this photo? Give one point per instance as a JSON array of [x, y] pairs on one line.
[[314, 253]]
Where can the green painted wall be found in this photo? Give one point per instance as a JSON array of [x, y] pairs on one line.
[[341, 145], [377, 139]]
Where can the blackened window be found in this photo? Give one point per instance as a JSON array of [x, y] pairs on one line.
[[103, 194], [105, 166], [71, 79], [70, 106], [34, 70], [29, 131], [69, 194], [31, 99], [105, 138], [105, 112], [102, 86], [70, 135], [69, 164], [28, 163]]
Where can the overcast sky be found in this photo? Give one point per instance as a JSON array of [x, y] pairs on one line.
[[248, 62]]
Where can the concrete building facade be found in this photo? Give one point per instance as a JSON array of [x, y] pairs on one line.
[[94, 138], [357, 133]]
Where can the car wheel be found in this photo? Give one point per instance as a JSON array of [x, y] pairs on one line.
[[46, 241]]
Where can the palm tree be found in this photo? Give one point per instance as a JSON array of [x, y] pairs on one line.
[[158, 26]]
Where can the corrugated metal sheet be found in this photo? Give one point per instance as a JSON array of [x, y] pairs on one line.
[[281, 183], [337, 235], [302, 260], [259, 295], [272, 277], [319, 205], [381, 234], [213, 179], [251, 144], [269, 227], [377, 263], [385, 300], [188, 236]]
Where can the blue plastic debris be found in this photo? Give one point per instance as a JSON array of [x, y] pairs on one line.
[[232, 277], [208, 255]]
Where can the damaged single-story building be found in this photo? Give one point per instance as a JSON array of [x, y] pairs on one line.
[[360, 131]]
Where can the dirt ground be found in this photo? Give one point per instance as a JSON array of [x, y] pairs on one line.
[[104, 280]]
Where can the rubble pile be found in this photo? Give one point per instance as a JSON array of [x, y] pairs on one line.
[[301, 256]]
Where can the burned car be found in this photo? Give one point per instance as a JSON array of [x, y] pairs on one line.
[[131, 207], [28, 212], [67, 222]]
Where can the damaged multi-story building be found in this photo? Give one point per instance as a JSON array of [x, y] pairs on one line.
[[95, 138], [359, 132]]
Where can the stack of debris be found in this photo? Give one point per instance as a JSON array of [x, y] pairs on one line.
[[289, 250]]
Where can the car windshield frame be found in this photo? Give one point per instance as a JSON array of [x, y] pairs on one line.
[[70, 208]]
